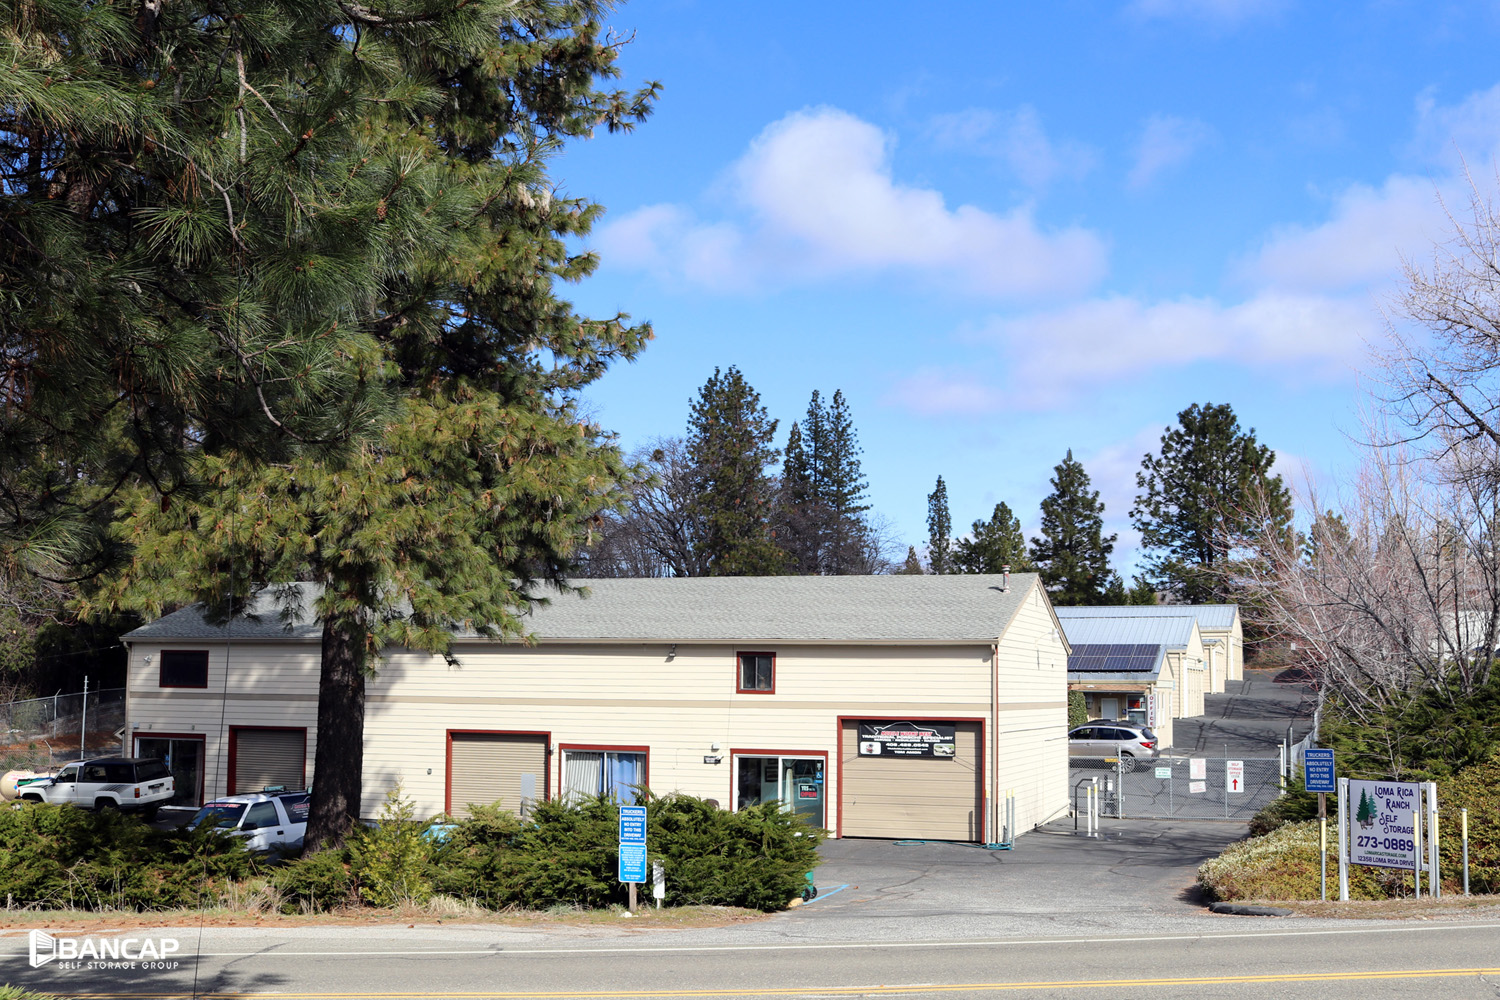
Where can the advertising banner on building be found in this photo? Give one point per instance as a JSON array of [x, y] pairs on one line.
[[906, 739], [1380, 823]]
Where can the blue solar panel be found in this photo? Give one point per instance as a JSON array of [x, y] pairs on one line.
[[1113, 658]]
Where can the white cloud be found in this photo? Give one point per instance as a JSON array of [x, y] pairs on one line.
[[1363, 242], [934, 392], [1471, 126], [819, 199], [1054, 353], [1165, 142], [1220, 11], [1017, 139]]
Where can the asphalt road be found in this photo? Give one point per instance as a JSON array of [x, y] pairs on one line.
[[1059, 916], [1249, 719]]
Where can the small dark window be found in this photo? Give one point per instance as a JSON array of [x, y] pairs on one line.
[[758, 672], [260, 816], [122, 774], [184, 668], [150, 770]]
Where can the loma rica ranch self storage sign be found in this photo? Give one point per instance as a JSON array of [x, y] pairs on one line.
[[906, 739], [1380, 827]]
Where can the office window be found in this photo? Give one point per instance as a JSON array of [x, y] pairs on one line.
[[757, 673], [184, 668]]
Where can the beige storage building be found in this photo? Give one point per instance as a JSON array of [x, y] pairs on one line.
[[1148, 669], [895, 706], [1220, 631]]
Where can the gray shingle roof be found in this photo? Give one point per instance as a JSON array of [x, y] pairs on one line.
[[1208, 615], [706, 609], [1174, 633]]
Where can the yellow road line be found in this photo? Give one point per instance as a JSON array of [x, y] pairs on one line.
[[1289, 977]]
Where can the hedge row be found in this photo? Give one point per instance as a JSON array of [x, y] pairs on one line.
[[563, 855], [55, 857]]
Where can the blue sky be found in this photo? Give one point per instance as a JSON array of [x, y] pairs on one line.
[[1010, 230]]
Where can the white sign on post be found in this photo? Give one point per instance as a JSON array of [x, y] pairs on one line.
[[1380, 824], [1198, 769], [1234, 776]]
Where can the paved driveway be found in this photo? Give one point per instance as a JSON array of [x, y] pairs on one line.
[[1250, 719], [1139, 876]]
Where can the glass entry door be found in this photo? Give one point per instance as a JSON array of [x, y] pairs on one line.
[[184, 758], [795, 783]]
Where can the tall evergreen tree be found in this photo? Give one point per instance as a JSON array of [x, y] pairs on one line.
[[1073, 551], [843, 487], [939, 531], [729, 445], [913, 564], [993, 545], [1197, 497], [799, 520], [319, 201]]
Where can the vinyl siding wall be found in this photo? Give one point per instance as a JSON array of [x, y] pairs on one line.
[[605, 695]]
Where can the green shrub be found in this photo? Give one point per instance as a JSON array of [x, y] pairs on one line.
[[1078, 709], [17, 993], [315, 882], [1427, 738], [1295, 806], [1284, 865], [59, 856], [390, 859], [1476, 788], [568, 855]]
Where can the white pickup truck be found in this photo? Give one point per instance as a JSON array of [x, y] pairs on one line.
[[134, 784], [269, 821]]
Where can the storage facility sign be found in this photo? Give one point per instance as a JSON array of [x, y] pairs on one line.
[[906, 739], [1380, 823]]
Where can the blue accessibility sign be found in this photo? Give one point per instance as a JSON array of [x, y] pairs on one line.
[[1317, 770]]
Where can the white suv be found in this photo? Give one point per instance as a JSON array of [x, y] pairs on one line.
[[268, 821], [136, 784]]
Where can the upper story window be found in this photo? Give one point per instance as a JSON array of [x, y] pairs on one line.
[[757, 674], [184, 668]]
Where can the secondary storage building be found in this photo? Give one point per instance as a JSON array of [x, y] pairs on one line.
[[895, 706]]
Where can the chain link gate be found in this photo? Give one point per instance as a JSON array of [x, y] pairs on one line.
[[1169, 788]]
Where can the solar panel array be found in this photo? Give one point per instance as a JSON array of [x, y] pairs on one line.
[[1113, 657]]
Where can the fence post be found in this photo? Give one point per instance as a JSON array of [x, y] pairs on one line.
[[1465, 814], [83, 722]]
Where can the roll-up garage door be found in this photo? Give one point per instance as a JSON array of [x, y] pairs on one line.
[[934, 798], [265, 758], [486, 768]]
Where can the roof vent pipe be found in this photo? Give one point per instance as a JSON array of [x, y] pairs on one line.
[[1005, 578]]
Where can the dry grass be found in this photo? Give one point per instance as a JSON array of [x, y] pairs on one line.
[[443, 910], [1447, 908]]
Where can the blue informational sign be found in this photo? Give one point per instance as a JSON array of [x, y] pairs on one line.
[[1317, 770], [633, 825], [632, 862]]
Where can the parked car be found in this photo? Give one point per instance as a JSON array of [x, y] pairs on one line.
[[1111, 738], [269, 821], [133, 784]]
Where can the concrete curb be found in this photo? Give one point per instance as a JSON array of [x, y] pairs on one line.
[[1241, 910]]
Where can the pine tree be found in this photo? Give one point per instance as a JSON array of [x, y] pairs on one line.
[[799, 522], [1198, 496], [362, 214], [729, 445], [993, 545], [1365, 815], [913, 565], [1073, 551], [939, 531], [842, 488]]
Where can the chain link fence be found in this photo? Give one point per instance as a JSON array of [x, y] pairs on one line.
[[41, 732], [1178, 787]]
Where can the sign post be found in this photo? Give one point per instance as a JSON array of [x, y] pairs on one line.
[[632, 868], [1318, 776]]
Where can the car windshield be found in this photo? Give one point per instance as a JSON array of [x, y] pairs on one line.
[[224, 815]]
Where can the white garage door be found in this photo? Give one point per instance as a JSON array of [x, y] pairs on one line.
[[265, 758], [932, 798], [486, 768]]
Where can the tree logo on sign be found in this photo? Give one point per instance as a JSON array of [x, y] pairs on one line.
[[1365, 815]]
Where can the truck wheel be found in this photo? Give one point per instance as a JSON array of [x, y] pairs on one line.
[[32, 798], [100, 805], [149, 813]]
